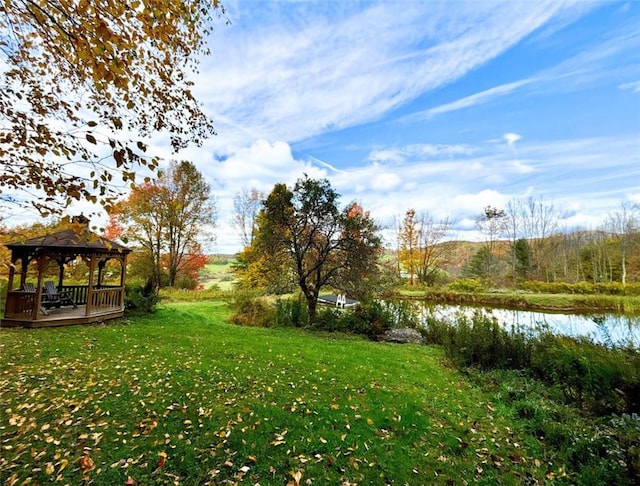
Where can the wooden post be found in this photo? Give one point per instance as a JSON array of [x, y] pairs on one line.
[[123, 272], [101, 264], [36, 306], [60, 273], [92, 267], [12, 271], [24, 263]]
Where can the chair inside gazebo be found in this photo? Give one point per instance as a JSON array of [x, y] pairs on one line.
[[69, 277]]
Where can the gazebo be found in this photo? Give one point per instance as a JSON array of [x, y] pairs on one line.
[[44, 303]]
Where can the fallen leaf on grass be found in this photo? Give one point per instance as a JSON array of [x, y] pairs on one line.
[[86, 466], [86, 463], [297, 477], [162, 460]]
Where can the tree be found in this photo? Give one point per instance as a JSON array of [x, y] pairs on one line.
[[168, 218], [434, 251], [81, 77], [266, 263], [246, 205], [492, 223], [535, 220], [521, 257], [422, 249], [480, 264], [409, 241], [325, 246], [359, 273], [624, 225]]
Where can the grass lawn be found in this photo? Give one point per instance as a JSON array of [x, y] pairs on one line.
[[181, 397], [218, 274]]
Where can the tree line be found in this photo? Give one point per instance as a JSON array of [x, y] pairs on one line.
[[524, 241]]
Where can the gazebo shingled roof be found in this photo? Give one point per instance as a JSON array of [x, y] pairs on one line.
[[69, 241]]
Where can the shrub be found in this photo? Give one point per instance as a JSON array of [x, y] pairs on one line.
[[185, 282], [602, 380], [185, 295], [370, 318], [480, 341], [467, 285], [250, 309], [139, 297], [291, 312], [219, 259], [600, 457], [581, 288]]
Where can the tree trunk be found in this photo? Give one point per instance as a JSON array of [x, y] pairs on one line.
[[312, 303]]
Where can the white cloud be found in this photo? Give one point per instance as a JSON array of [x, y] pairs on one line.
[[511, 138], [634, 87], [520, 167], [474, 99], [634, 197], [394, 156], [385, 182]]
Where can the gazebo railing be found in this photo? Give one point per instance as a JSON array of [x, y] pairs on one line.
[[20, 303], [106, 298], [78, 293]]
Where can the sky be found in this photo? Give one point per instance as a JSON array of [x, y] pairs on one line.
[[443, 107]]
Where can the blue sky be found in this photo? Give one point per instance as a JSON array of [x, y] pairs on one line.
[[444, 107]]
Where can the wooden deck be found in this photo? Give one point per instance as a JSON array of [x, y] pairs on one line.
[[98, 305], [64, 316]]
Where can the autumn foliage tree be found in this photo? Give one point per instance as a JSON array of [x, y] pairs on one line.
[[84, 82], [304, 230], [409, 244], [359, 272], [168, 219], [423, 250]]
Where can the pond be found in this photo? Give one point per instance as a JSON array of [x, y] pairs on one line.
[[607, 329]]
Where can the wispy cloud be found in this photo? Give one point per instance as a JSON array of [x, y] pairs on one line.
[[429, 151], [469, 101], [577, 72], [634, 87], [359, 63]]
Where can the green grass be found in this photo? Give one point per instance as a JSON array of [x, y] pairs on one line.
[[227, 404], [218, 275]]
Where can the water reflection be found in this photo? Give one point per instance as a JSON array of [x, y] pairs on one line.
[[607, 329]]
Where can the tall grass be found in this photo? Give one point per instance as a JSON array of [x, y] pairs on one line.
[[597, 378]]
